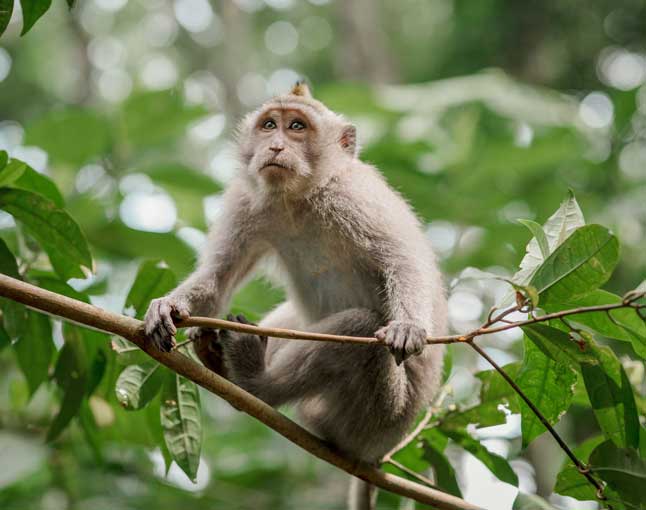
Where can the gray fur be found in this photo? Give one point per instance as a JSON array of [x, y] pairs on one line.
[[355, 262]]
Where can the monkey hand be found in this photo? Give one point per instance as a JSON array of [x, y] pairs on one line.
[[158, 323], [403, 339], [243, 353]]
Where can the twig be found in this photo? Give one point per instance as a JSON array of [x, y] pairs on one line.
[[582, 468], [485, 329], [421, 478], [132, 329], [410, 437]]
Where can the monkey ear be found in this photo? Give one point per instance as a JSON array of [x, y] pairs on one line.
[[348, 140], [301, 89]]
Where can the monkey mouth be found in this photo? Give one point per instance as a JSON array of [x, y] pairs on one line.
[[274, 165]]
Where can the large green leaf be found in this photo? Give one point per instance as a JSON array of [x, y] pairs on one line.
[[557, 344], [548, 384], [11, 172], [623, 470], [31, 180], [71, 374], [138, 384], [580, 265], [495, 463], [557, 229], [434, 443], [612, 397], [34, 348], [32, 10], [53, 228], [127, 352], [154, 279], [72, 136], [622, 324], [8, 264], [6, 8], [182, 422]]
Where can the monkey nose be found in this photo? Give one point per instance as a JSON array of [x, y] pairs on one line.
[[276, 149]]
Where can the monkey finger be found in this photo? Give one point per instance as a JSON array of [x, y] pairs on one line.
[[181, 311]]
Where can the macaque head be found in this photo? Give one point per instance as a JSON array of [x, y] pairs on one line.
[[291, 140]]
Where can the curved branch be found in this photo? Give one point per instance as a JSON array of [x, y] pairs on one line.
[[131, 329]]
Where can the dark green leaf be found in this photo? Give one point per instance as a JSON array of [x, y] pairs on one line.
[[580, 265], [4, 338], [495, 463], [182, 422], [557, 344], [548, 384], [53, 284], [623, 324], [154, 279], [32, 10], [444, 473], [71, 136], [138, 384], [35, 348], [4, 157], [11, 172], [623, 470], [539, 234], [53, 228], [8, 265], [71, 375], [612, 397]]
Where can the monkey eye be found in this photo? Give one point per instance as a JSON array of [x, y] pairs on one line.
[[297, 125], [269, 124]]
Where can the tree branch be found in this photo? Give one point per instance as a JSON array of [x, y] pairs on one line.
[[132, 329]]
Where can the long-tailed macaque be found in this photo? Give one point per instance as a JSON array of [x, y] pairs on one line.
[[355, 261]]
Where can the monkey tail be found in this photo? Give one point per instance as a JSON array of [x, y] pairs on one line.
[[362, 495]]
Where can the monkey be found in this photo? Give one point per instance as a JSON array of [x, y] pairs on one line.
[[354, 260]]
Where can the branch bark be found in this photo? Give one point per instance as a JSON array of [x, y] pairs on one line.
[[132, 329]]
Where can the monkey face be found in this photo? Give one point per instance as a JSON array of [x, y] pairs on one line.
[[283, 142]]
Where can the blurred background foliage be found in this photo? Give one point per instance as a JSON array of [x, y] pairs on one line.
[[480, 113]]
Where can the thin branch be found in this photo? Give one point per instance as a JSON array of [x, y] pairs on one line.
[[132, 329], [485, 329], [421, 478], [410, 437], [582, 468]]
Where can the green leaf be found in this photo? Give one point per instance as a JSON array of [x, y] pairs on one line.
[[32, 10], [11, 172], [557, 229], [53, 284], [72, 136], [611, 396], [4, 157], [138, 384], [154, 279], [71, 375], [623, 324], [8, 264], [31, 180], [580, 265], [176, 175], [557, 344], [6, 8], [4, 338], [127, 352], [539, 234], [444, 473], [548, 384], [531, 502], [182, 423], [35, 348], [152, 118], [53, 228], [623, 470], [495, 463]]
